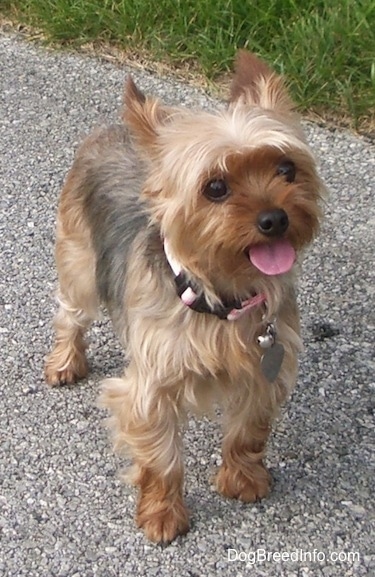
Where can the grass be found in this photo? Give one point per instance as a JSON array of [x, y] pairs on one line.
[[326, 48]]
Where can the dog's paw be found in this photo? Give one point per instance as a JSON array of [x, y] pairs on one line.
[[163, 527], [57, 373], [57, 378], [233, 483]]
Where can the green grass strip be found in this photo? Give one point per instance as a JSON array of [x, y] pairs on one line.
[[326, 48]]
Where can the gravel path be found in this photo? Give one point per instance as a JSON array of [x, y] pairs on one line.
[[64, 511]]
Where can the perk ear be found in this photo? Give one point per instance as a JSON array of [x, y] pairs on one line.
[[142, 114], [255, 84]]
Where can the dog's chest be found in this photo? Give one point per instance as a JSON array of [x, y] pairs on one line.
[[220, 346]]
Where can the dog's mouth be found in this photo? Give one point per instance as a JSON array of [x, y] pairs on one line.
[[272, 259]]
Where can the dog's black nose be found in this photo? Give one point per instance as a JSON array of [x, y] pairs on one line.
[[273, 222]]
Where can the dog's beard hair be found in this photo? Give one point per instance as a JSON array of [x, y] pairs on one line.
[[168, 343]]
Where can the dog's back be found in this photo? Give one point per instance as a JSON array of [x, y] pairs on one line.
[[110, 179]]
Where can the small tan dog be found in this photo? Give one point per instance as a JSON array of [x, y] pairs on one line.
[[187, 225]]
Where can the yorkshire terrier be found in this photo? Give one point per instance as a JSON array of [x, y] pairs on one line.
[[189, 226]]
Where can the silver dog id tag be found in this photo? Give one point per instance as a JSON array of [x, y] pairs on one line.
[[271, 361]]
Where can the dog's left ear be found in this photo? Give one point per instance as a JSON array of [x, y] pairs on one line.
[[143, 115], [254, 83]]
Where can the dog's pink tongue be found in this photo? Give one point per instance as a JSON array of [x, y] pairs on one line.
[[275, 258]]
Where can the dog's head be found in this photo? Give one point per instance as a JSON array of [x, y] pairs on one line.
[[235, 192]]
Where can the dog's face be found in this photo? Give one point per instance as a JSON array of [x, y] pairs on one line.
[[236, 193]]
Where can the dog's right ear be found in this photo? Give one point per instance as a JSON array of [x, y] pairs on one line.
[[143, 115]]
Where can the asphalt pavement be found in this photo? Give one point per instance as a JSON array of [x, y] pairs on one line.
[[64, 511]]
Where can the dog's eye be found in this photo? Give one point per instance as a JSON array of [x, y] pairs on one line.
[[216, 190], [287, 168]]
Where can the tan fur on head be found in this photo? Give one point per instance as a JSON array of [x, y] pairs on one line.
[[130, 188], [241, 144]]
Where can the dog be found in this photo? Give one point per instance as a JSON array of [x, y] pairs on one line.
[[189, 226]]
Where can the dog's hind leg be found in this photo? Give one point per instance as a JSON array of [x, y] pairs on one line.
[[67, 361], [77, 300]]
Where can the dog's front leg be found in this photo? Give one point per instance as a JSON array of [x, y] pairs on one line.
[[161, 511], [145, 420], [242, 474]]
